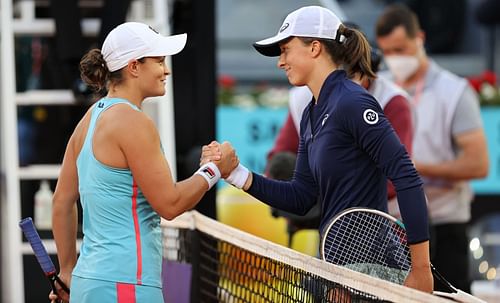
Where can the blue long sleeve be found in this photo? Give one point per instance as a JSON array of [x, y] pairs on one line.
[[382, 145], [296, 196], [347, 151]]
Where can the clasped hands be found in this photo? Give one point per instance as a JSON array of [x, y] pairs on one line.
[[224, 156]]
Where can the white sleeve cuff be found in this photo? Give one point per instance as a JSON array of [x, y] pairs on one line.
[[238, 176]]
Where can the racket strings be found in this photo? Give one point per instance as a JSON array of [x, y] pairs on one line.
[[360, 237], [361, 248], [347, 256]]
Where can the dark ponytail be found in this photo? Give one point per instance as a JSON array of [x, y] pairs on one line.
[[94, 71], [356, 54], [349, 49]]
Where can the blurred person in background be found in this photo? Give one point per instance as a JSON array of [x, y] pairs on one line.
[[449, 145], [347, 146], [445, 19]]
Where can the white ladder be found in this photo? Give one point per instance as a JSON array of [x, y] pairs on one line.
[[152, 12]]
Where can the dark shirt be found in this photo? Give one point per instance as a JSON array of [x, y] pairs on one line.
[[347, 148]]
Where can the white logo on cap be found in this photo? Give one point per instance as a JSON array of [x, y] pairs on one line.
[[370, 116], [285, 26]]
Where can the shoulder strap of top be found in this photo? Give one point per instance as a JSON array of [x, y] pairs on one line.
[[98, 108]]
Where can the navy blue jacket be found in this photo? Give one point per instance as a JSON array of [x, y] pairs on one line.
[[346, 152]]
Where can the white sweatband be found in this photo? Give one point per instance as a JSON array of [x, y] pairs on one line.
[[238, 176], [210, 172]]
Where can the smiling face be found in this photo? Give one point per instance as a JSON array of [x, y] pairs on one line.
[[295, 59], [153, 72]]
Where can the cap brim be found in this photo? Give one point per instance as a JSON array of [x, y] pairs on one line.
[[270, 47], [170, 45]]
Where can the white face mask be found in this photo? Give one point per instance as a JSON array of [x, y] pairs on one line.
[[402, 66]]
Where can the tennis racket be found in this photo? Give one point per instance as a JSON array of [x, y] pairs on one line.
[[374, 243], [41, 254]]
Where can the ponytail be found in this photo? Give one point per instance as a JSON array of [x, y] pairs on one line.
[[356, 55], [349, 49], [94, 71]]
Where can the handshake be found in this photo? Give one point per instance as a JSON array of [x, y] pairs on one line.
[[221, 160]]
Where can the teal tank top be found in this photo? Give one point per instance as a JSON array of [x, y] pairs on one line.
[[122, 239]]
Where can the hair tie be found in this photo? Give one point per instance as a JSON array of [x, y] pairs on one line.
[[339, 37]]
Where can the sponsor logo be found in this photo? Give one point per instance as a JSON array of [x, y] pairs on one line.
[[324, 119], [285, 26], [154, 30], [209, 172], [100, 105], [370, 116]]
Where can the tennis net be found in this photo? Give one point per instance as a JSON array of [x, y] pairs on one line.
[[228, 265]]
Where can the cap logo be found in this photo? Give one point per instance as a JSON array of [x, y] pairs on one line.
[[285, 26], [154, 30], [370, 116]]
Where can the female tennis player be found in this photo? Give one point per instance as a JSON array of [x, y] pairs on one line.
[[115, 165], [347, 146]]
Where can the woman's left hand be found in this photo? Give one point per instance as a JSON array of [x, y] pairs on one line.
[[61, 296], [420, 278]]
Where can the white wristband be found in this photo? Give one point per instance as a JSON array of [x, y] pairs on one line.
[[238, 176], [210, 172]]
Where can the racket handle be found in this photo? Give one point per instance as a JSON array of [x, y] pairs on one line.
[[33, 238], [41, 254], [453, 293], [55, 278]]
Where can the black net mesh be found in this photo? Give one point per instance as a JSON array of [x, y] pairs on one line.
[[223, 272]]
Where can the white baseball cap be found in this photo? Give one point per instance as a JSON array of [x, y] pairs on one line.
[[134, 40], [308, 21]]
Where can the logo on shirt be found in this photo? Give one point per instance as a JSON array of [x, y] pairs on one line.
[[370, 116], [324, 119]]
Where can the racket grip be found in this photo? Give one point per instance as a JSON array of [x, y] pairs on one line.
[[41, 254]]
